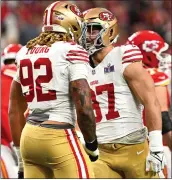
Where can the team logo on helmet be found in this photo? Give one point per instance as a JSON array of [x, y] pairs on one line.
[[149, 46], [75, 10], [106, 16]]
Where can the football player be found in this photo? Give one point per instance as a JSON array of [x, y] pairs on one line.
[[8, 71], [52, 80], [120, 86], [156, 63]]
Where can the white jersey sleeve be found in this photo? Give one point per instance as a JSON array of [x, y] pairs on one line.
[[78, 71], [77, 54], [79, 59], [131, 53]]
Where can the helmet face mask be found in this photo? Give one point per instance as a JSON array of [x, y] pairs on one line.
[[99, 29], [91, 38], [165, 61]]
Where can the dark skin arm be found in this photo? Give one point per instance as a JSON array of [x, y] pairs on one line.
[[17, 107], [80, 92]]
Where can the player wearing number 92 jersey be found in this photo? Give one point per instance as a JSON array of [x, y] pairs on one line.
[[44, 73], [52, 78], [120, 86]]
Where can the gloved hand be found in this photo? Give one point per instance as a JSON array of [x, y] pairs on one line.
[[90, 148], [20, 164], [155, 160]]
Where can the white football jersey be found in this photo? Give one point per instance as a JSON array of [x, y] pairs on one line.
[[117, 111], [44, 74]]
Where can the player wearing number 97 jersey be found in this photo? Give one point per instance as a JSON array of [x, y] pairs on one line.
[[120, 86], [52, 78]]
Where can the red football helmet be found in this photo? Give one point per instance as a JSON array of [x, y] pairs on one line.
[[151, 45], [10, 52]]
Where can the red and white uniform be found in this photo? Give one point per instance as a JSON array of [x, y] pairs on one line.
[[117, 111], [44, 73], [7, 160], [161, 79], [158, 76]]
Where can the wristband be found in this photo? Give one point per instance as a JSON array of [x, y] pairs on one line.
[[92, 148], [155, 141]]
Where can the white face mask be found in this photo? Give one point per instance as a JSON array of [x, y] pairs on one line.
[[165, 63], [96, 43]]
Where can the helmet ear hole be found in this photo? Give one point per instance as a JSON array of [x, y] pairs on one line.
[[74, 28], [111, 32]]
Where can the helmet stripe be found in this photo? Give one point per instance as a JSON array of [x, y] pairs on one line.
[[50, 13]]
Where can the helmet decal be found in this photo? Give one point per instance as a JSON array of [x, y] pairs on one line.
[[106, 16], [149, 46], [152, 46], [75, 10]]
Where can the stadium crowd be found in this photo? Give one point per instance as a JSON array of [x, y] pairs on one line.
[[24, 18]]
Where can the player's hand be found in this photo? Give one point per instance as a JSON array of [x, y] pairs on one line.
[[20, 163], [20, 175], [14, 154], [92, 150], [155, 161]]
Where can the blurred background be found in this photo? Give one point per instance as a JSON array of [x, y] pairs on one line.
[[22, 20]]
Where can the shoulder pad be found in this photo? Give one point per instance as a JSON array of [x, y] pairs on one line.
[[131, 53], [77, 54]]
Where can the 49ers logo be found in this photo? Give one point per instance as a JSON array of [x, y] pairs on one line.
[[106, 16], [75, 10], [149, 46]]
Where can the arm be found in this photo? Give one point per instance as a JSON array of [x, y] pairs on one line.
[[17, 107], [167, 138], [161, 92], [162, 96], [81, 96], [142, 86]]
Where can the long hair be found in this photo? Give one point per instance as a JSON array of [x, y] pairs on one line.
[[47, 38]]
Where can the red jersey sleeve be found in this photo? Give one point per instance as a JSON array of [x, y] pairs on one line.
[[7, 74], [159, 77]]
